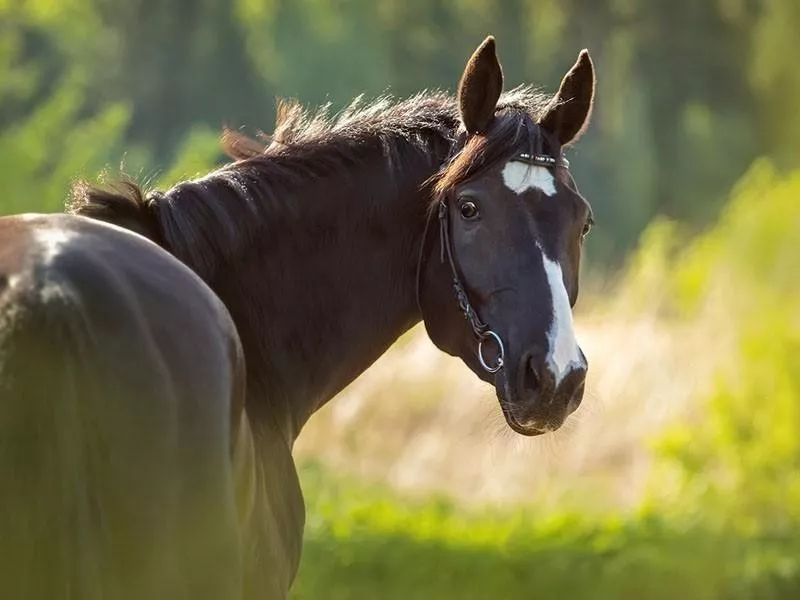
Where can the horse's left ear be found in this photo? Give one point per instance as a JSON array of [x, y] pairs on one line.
[[568, 114], [480, 88]]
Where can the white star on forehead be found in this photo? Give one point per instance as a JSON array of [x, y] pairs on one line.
[[520, 177]]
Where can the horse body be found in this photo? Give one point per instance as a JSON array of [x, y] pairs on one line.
[[318, 292], [119, 371], [344, 293]]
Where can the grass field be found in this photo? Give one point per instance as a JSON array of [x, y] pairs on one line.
[[366, 542]]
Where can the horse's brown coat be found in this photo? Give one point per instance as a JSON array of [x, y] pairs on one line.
[[118, 370]]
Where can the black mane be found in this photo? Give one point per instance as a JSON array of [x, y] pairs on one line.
[[206, 221]]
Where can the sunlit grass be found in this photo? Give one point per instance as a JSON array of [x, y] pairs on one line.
[[421, 421], [363, 541]]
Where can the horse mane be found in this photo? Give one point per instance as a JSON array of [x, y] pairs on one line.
[[206, 221]]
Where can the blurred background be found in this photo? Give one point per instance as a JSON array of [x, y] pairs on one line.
[[680, 474]]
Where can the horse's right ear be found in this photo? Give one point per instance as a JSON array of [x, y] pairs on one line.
[[480, 88]]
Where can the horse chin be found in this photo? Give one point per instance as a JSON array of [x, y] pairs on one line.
[[506, 399]]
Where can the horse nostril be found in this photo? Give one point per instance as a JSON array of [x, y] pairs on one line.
[[531, 381]]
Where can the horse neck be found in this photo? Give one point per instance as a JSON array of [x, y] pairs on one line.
[[319, 300]]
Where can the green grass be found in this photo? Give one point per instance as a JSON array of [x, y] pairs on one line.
[[365, 542]]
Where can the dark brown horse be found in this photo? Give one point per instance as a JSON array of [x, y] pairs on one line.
[[323, 248]]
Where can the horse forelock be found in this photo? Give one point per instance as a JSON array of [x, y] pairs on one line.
[[514, 127]]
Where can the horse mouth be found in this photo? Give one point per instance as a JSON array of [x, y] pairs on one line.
[[522, 417], [517, 427], [511, 419]]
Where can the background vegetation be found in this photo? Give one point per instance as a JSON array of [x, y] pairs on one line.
[[680, 475]]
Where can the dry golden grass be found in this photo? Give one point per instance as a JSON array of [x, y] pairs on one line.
[[421, 422]]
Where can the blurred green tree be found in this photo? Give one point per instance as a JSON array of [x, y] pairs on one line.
[[689, 93]]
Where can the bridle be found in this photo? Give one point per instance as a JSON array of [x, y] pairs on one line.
[[480, 328]]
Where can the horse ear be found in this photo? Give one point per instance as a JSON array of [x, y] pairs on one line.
[[480, 87], [569, 112]]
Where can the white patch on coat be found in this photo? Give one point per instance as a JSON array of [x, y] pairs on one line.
[[520, 177], [51, 243]]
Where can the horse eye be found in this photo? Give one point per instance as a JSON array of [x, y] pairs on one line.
[[469, 210], [587, 227]]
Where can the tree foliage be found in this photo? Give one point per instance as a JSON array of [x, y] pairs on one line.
[[690, 92]]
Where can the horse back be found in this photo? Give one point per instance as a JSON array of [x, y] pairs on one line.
[[121, 374]]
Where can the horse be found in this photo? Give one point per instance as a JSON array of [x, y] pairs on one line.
[[233, 306]]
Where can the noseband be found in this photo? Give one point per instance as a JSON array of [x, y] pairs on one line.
[[480, 329]]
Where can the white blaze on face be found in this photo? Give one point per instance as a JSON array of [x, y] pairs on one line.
[[563, 351], [520, 177]]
